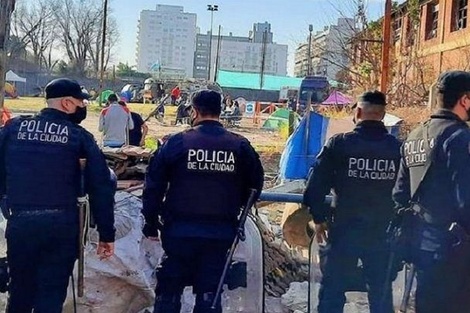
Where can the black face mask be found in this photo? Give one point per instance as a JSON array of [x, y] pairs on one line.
[[78, 116]]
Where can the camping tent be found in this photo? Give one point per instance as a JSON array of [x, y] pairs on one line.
[[104, 96], [278, 118], [337, 98], [13, 77]]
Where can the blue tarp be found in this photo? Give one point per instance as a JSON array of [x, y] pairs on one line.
[[298, 155]]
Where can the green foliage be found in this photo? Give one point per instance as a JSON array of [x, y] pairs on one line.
[[125, 70]]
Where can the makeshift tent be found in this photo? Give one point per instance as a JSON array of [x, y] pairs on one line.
[[13, 77], [305, 143], [278, 118], [337, 98]]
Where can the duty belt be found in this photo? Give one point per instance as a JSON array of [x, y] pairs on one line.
[[27, 213]]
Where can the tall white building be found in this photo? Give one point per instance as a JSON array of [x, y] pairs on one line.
[[328, 50], [241, 54], [166, 41]]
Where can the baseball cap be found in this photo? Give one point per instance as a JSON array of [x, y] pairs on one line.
[[453, 81], [65, 87]]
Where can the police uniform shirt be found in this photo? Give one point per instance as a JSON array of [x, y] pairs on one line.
[[445, 193], [39, 167], [360, 167], [204, 174]]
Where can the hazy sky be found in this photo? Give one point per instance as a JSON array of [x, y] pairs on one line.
[[289, 18]]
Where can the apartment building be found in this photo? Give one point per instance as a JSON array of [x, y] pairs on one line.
[[166, 41], [328, 50], [241, 54]]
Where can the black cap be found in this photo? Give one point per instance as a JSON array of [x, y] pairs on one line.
[[373, 97], [64, 87], [207, 99], [453, 81]]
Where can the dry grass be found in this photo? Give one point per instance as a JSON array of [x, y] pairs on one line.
[[32, 105]]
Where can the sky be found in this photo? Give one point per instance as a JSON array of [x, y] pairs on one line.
[[289, 18]]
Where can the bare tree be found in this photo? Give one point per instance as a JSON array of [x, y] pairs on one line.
[[94, 48], [79, 31], [33, 25]]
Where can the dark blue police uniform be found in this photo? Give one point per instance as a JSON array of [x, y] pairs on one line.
[[204, 175], [360, 167], [40, 176], [443, 270]]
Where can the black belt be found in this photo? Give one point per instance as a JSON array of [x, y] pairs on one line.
[[27, 213]]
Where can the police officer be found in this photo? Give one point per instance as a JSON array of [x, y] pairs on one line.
[[203, 174], [360, 168], [435, 178], [40, 176]]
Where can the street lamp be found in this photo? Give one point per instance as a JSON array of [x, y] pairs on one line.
[[212, 8], [309, 66]]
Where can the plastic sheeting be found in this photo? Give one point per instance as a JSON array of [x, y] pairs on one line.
[[125, 283]]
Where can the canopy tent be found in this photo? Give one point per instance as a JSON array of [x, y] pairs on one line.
[[305, 143], [13, 77], [337, 98]]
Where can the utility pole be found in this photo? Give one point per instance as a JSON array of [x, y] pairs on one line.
[[103, 43], [386, 46], [6, 8], [309, 68], [217, 55], [263, 58], [212, 8]]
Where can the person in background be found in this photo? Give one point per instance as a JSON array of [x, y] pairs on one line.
[[115, 122], [139, 132], [175, 94]]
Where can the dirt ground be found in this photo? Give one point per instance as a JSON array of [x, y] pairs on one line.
[[269, 144]]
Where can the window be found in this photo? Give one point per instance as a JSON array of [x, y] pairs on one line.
[[397, 24], [460, 14], [432, 20]]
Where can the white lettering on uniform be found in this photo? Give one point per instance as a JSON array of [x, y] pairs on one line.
[[211, 160], [375, 169], [43, 131]]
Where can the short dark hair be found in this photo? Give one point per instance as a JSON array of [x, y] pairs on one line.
[[122, 103], [451, 86], [113, 97], [448, 99], [207, 102]]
